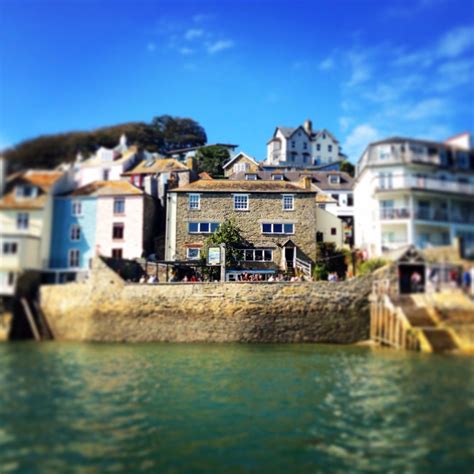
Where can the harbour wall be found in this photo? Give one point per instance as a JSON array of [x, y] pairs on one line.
[[105, 308]]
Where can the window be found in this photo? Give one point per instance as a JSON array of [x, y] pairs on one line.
[[75, 232], [117, 231], [305, 158], [22, 220], [257, 255], [26, 191], [241, 202], [333, 231], [288, 202], [329, 147], [193, 253], [335, 196], [251, 177], [277, 228], [240, 167], [324, 136], [318, 147], [385, 180], [119, 206], [333, 179], [384, 152], [293, 144], [117, 253], [463, 160], [305, 146], [350, 199], [277, 177], [76, 208], [105, 175], [202, 227], [10, 248], [195, 201], [74, 257]]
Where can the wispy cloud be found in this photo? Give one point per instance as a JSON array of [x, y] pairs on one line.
[[327, 64], [359, 138], [456, 42], [359, 67], [219, 45], [193, 33], [185, 51]]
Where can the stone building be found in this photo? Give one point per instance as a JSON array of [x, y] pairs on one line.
[[240, 163], [277, 219]]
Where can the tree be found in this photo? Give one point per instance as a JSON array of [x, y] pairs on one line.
[[229, 234], [348, 167], [211, 158], [174, 133], [329, 259]]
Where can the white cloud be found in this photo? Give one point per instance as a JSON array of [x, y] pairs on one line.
[[219, 45], [344, 123], [327, 64], [360, 68], [427, 108], [193, 33], [359, 138], [151, 46], [185, 51], [456, 42], [453, 74]]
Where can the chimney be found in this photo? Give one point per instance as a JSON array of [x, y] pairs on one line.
[[190, 163], [305, 182], [308, 126]]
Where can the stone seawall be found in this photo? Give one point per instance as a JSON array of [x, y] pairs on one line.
[[107, 309]]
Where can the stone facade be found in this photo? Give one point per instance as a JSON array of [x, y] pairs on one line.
[[263, 207], [107, 309]]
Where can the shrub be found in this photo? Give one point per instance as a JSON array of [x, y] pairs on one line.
[[371, 265]]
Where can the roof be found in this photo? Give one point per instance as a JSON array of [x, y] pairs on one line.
[[191, 148], [287, 131], [324, 198], [205, 175], [96, 160], [162, 165], [107, 188], [241, 154], [316, 133], [416, 140], [225, 186], [320, 178], [43, 179]]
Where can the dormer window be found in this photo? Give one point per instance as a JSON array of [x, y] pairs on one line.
[[26, 191], [277, 177], [250, 177], [334, 179]]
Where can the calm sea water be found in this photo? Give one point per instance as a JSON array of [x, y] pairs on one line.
[[233, 408]]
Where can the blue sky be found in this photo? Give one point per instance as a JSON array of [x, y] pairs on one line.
[[362, 69]]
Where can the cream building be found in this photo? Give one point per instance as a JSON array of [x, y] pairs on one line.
[[414, 192]]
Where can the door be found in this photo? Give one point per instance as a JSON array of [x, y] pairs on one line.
[[290, 256]]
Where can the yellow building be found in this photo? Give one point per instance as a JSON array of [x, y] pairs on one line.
[[26, 210]]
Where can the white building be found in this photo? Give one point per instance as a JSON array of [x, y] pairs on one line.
[[106, 164], [303, 147], [414, 192]]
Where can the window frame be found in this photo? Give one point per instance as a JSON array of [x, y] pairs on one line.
[[253, 251], [117, 250], [76, 259], [76, 208], [118, 200], [10, 247], [284, 197], [191, 197], [75, 236], [188, 257], [240, 196], [118, 225], [22, 220], [282, 224], [200, 231]]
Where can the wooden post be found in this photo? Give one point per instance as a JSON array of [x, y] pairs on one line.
[[31, 320]]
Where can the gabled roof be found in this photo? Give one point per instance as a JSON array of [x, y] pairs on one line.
[[107, 188], [317, 133], [226, 186], [43, 179], [161, 165], [239, 155]]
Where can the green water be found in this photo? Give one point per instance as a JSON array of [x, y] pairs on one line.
[[233, 408]]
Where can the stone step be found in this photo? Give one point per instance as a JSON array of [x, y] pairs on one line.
[[419, 317], [440, 340]]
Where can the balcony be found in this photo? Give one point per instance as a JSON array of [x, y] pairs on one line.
[[395, 213], [404, 181]]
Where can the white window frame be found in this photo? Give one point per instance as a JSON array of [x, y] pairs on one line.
[[199, 231], [237, 206], [22, 220], [76, 207], [334, 179], [253, 259], [250, 177], [75, 233], [6, 247], [284, 199], [278, 223], [277, 177], [76, 259], [20, 191], [116, 201], [191, 204], [189, 257]]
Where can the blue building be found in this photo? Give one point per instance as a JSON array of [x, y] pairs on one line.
[[73, 240]]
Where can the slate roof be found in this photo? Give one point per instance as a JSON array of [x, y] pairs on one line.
[[106, 188], [225, 186], [163, 165]]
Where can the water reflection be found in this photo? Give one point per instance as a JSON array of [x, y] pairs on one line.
[[232, 408]]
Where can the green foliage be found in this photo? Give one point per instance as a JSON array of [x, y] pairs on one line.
[[329, 259], [229, 234], [371, 265], [48, 151], [211, 158], [348, 167]]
